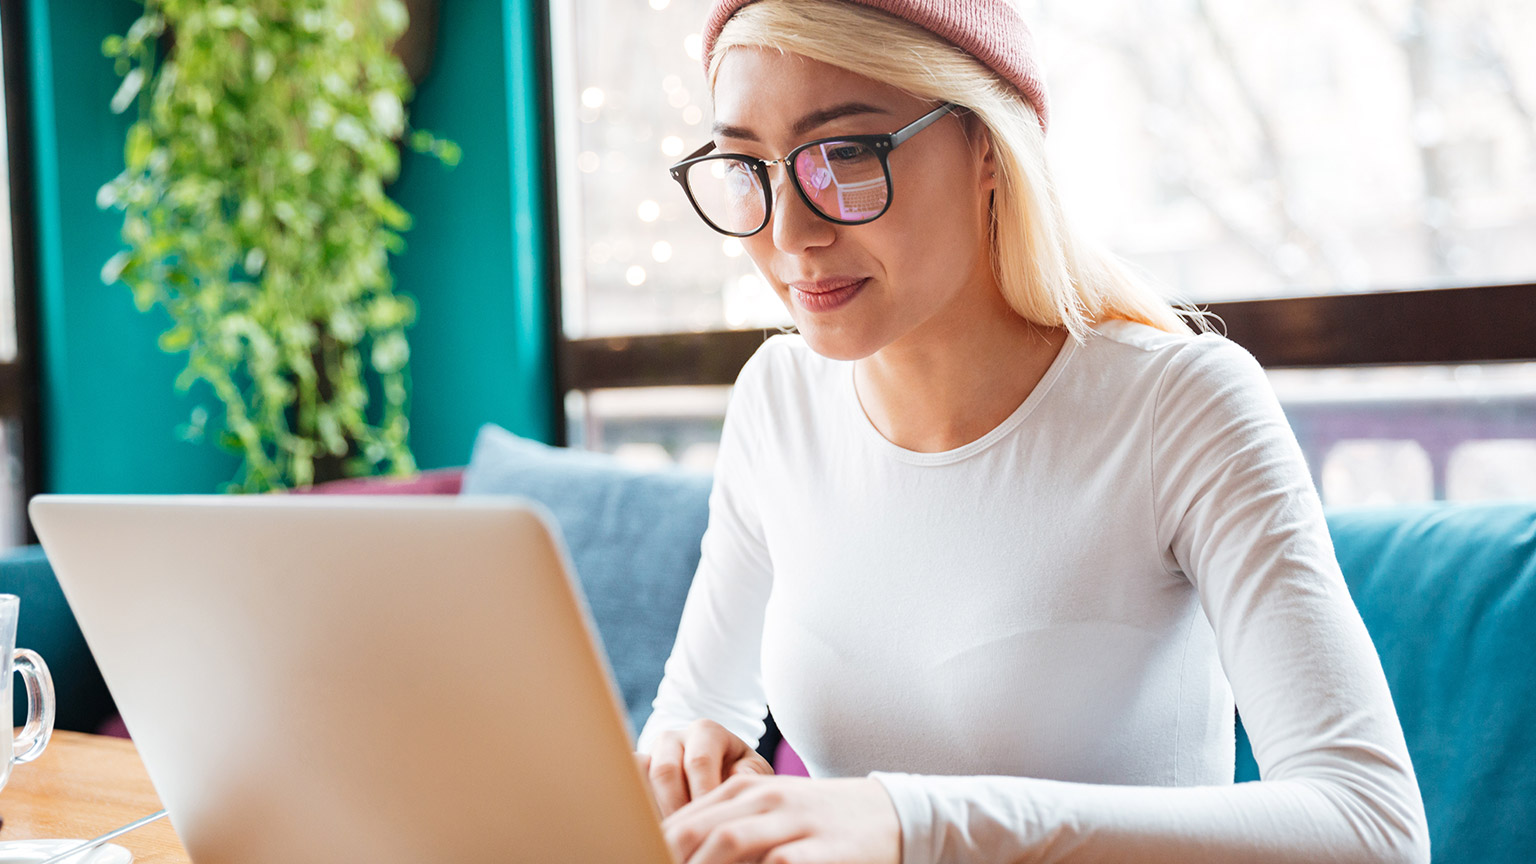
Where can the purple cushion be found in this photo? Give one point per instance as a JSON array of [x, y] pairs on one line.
[[786, 762], [439, 481]]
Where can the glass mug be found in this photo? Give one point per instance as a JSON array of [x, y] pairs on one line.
[[40, 705]]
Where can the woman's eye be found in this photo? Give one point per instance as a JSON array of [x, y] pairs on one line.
[[847, 152]]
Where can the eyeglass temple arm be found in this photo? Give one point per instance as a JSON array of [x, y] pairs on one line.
[[897, 139], [699, 152], [921, 123]]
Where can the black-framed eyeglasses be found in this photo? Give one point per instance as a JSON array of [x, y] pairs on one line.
[[846, 180]]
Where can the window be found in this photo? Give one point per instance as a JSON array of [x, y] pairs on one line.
[[1232, 149], [1399, 434], [635, 257], [1238, 149], [10, 462], [18, 413], [1240, 153], [651, 426]]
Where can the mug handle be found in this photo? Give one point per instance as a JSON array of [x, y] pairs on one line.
[[40, 706]]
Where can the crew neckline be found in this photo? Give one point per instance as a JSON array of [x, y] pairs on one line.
[[947, 457]]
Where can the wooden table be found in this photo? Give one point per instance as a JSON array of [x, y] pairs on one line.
[[83, 786]]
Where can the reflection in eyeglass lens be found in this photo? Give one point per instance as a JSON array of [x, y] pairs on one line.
[[728, 193], [844, 179]]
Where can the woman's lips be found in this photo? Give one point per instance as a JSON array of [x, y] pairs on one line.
[[826, 295]]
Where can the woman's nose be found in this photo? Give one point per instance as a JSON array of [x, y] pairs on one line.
[[795, 225]]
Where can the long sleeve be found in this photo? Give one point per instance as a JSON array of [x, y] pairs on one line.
[[714, 670], [1235, 513]]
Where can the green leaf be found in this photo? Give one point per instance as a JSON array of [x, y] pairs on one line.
[[113, 269], [223, 17], [350, 132], [145, 295], [178, 338], [263, 64], [141, 140], [128, 90], [136, 231], [345, 326], [142, 29], [387, 313], [196, 426], [186, 378], [394, 216], [330, 433], [390, 353], [448, 152], [303, 471], [393, 15], [387, 113]]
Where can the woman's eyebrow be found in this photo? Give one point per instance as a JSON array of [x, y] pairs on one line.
[[804, 124]]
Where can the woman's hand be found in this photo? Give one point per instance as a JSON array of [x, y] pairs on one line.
[[787, 820], [687, 764]]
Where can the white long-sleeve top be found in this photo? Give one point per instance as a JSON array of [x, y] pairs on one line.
[[1034, 641]]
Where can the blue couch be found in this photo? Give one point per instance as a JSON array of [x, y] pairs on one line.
[[1448, 592]]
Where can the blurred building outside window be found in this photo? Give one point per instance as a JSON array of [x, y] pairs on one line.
[[1381, 435], [1230, 149], [651, 426]]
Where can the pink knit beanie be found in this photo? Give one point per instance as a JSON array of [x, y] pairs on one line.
[[989, 30]]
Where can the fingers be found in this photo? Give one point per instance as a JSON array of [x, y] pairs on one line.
[[745, 839], [704, 755], [783, 820], [643, 764], [668, 783], [750, 763], [802, 851], [690, 763], [738, 822]]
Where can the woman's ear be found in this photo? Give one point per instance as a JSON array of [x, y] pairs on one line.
[[980, 139]]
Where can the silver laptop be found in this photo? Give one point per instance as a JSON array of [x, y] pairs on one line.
[[393, 680]]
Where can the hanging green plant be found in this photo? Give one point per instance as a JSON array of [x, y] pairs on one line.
[[255, 214]]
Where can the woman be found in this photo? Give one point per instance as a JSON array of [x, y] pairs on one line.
[[997, 535]]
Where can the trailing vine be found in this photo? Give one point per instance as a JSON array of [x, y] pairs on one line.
[[255, 214]]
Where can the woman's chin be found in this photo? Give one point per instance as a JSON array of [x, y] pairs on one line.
[[835, 343]]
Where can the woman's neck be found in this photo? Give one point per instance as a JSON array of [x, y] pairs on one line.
[[954, 380]]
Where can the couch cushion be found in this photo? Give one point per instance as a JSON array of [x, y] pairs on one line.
[[47, 625], [438, 481], [633, 536], [1448, 593]]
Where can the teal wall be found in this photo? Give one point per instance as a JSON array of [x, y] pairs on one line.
[[109, 410], [474, 259], [473, 263]]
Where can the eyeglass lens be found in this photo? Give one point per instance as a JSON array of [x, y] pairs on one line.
[[844, 181]]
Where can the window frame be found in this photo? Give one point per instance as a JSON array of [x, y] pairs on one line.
[[20, 382], [1478, 324]]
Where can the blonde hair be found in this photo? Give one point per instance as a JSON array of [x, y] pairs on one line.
[[1048, 272]]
